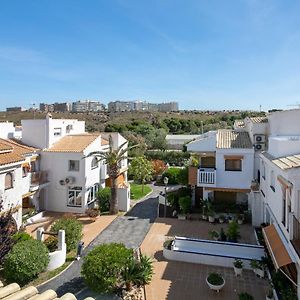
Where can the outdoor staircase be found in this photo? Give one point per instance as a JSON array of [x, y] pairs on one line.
[[14, 292]]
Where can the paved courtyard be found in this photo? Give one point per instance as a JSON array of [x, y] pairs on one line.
[[179, 280]]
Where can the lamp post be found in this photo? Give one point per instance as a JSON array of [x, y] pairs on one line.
[[166, 180]]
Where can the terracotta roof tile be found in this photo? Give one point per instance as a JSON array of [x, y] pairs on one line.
[[259, 119], [73, 143], [104, 142], [239, 123], [227, 139], [285, 162], [13, 151]]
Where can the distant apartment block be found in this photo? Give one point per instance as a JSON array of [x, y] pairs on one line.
[[15, 109], [46, 107], [62, 107], [123, 106], [87, 105]]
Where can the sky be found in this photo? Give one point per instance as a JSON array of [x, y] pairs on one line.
[[204, 54]]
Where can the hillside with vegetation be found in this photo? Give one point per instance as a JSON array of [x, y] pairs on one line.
[[146, 128]]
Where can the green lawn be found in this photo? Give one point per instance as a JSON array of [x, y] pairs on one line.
[[136, 192]]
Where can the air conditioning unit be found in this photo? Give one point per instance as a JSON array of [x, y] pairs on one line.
[[260, 147], [70, 180], [62, 182], [259, 138]]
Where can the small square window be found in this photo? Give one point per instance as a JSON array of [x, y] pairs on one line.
[[74, 165], [233, 165]]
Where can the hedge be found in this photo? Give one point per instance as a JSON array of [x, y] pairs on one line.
[[73, 231], [25, 261], [103, 266], [176, 175], [104, 196], [173, 158]]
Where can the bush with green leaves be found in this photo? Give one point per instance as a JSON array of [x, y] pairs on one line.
[[73, 231], [185, 204], [245, 296], [233, 233], [137, 272], [25, 261], [51, 243], [104, 196], [103, 266], [21, 237], [215, 279]]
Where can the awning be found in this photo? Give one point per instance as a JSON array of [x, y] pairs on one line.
[[278, 252]]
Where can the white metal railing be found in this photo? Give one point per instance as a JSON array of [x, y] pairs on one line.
[[206, 176]]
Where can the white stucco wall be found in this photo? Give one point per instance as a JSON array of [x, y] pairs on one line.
[[40, 133], [234, 179], [12, 197], [205, 144], [7, 130], [285, 122], [284, 145]]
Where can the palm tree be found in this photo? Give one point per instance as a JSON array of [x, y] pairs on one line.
[[112, 158]]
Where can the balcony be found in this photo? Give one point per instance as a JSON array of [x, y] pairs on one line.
[[38, 179], [206, 177], [295, 234]]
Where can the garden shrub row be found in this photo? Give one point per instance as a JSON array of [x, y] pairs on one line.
[[173, 158]]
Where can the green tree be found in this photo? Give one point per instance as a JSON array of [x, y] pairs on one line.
[[141, 169], [113, 158]]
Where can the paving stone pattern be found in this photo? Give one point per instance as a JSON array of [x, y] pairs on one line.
[[130, 229]]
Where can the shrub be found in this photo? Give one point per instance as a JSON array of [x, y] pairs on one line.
[[176, 158], [168, 243], [104, 196], [25, 261], [172, 174], [137, 272], [185, 204], [92, 212], [245, 296], [223, 236], [238, 263], [233, 233], [103, 265], [73, 230], [256, 264], [21, 237], [158, 167], [215, 279], [51, 243]]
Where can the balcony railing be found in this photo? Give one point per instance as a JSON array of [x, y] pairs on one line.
[[38, 178], [206, 176], [296, 234]]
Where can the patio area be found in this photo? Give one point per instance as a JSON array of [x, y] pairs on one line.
[[179, 280], [90, 228]]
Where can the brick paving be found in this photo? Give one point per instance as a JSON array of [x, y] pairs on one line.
[[180, 280]]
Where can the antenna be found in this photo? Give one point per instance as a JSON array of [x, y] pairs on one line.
[[33, 108]]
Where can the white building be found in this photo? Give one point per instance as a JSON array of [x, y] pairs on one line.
[[177, 141], [226, 160], [20, 178], [277, 199]]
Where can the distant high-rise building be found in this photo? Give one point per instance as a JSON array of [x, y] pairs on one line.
[[87, 105], [62, 107], [122, 106], [15, 109]]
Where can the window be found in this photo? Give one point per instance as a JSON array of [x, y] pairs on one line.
[[93, 193], [233, 165], [8, 181], [69, 128], [57, 131], [73, 165], [272, 181], [24, 171], [74, 197], [94, 163]]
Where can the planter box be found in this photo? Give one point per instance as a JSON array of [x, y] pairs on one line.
[[215, 287], [238, 271]]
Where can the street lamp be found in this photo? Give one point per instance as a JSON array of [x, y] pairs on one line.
[[166, 180]]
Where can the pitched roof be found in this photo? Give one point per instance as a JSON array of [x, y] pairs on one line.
[[13, 151], [239, 123], [73, 143], [259, 119], [228, 139], [285, 162]]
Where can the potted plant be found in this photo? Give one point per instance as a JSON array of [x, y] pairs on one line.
[[168, 243], [238, 267], [211, 216], [92, 213], [215, 281], [233, 233], [240, 219], [257, 268], [223, 236], [214, 234], [185, 206], [221, 219], [245, 296], [270, 294]]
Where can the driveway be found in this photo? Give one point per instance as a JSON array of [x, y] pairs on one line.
[[130, 229]]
